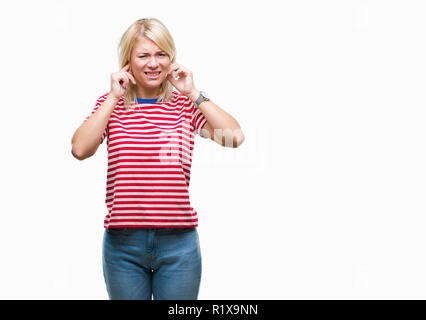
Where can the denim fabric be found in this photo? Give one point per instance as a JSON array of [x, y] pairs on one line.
[[139, 263]]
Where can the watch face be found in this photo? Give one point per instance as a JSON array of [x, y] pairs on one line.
[[204, 94]]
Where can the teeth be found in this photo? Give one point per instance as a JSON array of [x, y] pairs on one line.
[[152, 74]]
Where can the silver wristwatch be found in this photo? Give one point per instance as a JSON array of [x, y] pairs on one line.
[[203, 97]]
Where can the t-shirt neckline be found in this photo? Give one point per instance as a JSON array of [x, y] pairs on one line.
[[147, 100]]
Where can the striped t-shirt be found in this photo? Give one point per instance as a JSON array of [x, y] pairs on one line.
[[149, 163]]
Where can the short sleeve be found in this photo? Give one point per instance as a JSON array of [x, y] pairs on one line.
[[97, 105], [198, 119]]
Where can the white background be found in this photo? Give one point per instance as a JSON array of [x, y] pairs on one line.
[[325, 199]]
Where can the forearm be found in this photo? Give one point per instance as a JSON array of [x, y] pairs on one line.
[[86, 139], [224, 125]]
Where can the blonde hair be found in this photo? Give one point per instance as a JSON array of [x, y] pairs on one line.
[[156, 31]]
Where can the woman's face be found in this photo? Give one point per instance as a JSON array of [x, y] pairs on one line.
[[149, 64]]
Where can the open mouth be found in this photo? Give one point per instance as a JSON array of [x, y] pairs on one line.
[[153, 75]]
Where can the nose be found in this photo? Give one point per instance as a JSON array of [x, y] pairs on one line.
[[152, 62]]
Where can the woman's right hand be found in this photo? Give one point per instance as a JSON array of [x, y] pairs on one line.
[[120, 81]]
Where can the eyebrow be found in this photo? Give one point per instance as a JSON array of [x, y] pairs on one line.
[[143, 52]]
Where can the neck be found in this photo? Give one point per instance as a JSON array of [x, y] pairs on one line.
[[147, 93]]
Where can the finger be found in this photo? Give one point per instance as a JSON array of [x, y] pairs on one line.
[[174, 70], [125, 68], [173, 67], [123, 81], [171, 75], [181, 72], [131, 78]]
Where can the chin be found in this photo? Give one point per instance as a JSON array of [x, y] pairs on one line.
[[154, 84]]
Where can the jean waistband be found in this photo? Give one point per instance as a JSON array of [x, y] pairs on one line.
[[156, 229]]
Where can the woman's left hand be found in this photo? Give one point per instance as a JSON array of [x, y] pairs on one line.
[[185, 82]]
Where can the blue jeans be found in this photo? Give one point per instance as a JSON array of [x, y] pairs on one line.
[[141, 262]]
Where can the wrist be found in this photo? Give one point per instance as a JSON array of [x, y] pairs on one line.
[[113, 97], [194, 95]]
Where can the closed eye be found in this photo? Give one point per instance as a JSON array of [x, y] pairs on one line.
[[160, 54]]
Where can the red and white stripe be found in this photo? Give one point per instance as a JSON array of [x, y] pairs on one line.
[[149, 163]]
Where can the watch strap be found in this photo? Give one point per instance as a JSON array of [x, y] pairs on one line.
[[201, 98]]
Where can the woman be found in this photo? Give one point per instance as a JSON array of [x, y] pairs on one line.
[[151, 244]]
